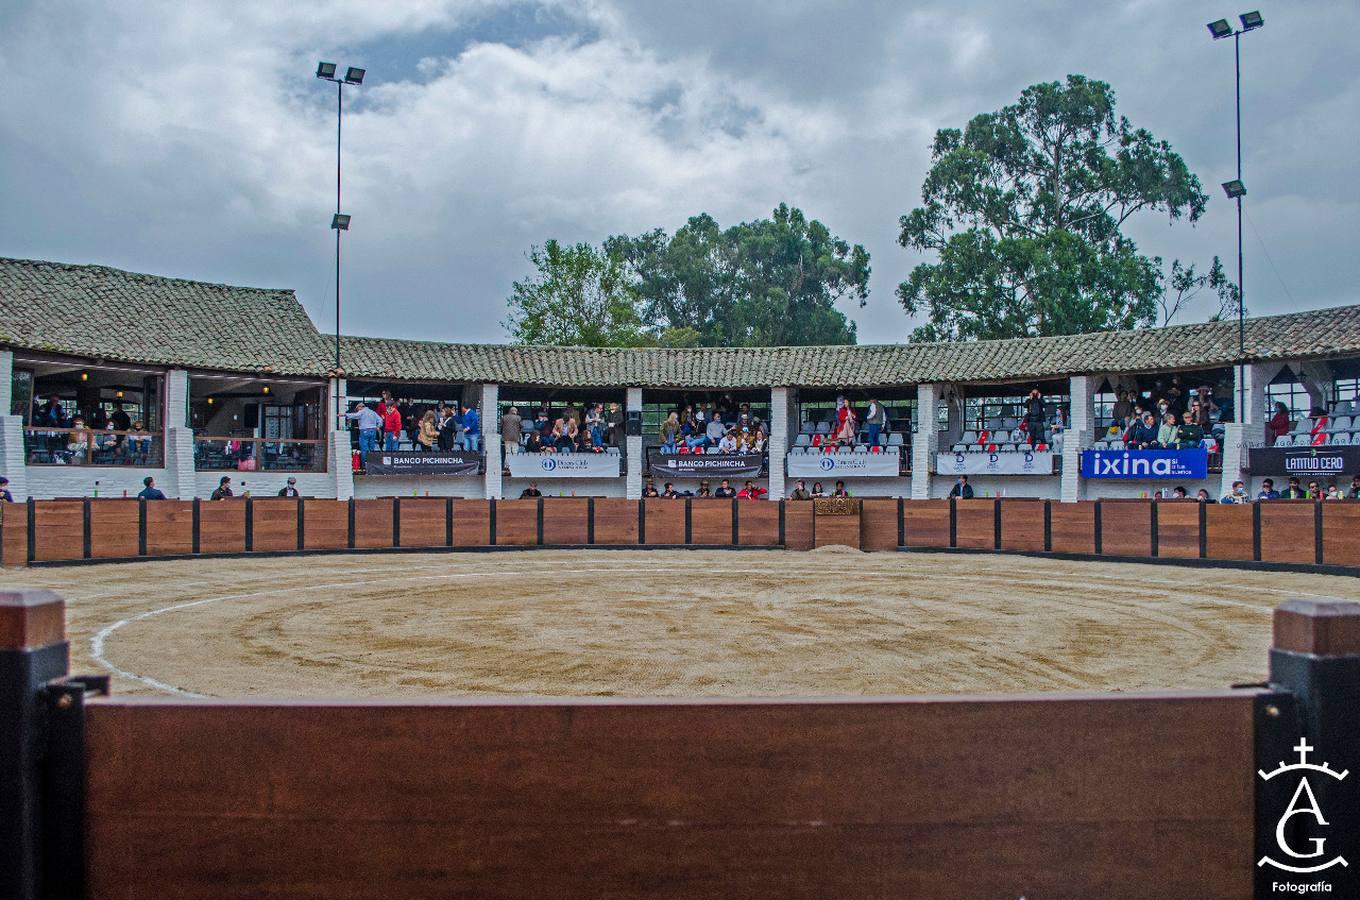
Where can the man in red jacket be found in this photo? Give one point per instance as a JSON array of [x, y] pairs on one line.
[[391, 427]]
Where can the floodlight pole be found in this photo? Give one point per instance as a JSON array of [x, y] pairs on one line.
[[1241, 294], [339, 119]]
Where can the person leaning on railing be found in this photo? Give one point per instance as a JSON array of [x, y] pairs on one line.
[[1189, 435]]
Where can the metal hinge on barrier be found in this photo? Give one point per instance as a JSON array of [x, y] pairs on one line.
[[63, 792]]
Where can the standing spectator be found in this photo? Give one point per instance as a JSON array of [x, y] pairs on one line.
[[1354, 492], [1123, 407], [1268, 491], [751, 491], [472, 430], [290, 489], [614, 429], [149, 490], [724, 491], [427, 435], [369, 422], [875, 417], [1035, 417], [5, 495], [511, 425], [670, 430], [120, 420], [531, 491], [840, 490], [962, 489], [847, 423], [1279, 424], [391, 427], [800, 492], [1294, 491], [595, 424], [223, 489]]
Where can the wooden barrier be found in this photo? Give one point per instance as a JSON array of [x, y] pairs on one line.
[[710, 522], [372, 526], [1228, 531], [170, 527], [472, 523], [325, 524], [880, 523], [757, 524], [274, 525], [928, 523], [1341, 534], [13, 534], [1294, 525], [1072, 528], [664, 521], [1179, 524], [798, 525], [115, 527], [975, 524], [58, 528], [222, 526], [1022, 525], [616, 521], [566, 520], [517, 523], [1126, 527]]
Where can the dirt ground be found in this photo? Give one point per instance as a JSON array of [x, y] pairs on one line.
[[667, 623]]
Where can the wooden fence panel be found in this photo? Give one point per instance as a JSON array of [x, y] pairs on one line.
[[665, 518], [1073, 527], [1126, 527], [1050, 796], [471, 523], [710, 522], [878, 523], [517, 523], [1228, 531], [758, 523], [273, 524], [1288, 533], [373, 523], [169, 527], [222, 526], [13, 534], [424, 521], [58, 530], [1341, 534], [325, 524], [1022, 525], [798, 525], [927, 523], [616, 521], [975, 524], [1178, 529], [836, 530], [114, 528], [566, 520]]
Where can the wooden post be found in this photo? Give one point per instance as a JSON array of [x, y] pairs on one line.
[[33, 651], [1315, 655]]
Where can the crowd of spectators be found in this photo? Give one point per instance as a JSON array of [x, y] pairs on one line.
[[722, 427], [589, 428], [1172, 420], [105, 436], [392, 424]]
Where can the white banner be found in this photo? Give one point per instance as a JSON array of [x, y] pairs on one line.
[[1017, 462], [563, 465], [850, 465]]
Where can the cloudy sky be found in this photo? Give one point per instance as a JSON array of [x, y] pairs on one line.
[[191, 139]]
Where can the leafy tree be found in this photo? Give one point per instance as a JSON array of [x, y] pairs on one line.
[[579, 296], [1025, 209], [1186, 284]]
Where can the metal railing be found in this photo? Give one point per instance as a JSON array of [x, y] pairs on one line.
[[246, 454], [47, 446]]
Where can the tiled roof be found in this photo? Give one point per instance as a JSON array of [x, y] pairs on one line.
[[96, 311], [1325, 332]]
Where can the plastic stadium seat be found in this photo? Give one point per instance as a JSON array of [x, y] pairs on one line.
[[1342, 439], [1010, 424], [861, 448], [883, 440], [1339, 423], [823, 428], [807, 428], [1303, 425], [1343, 408], [843, 450], [894, 439], [802, 440]]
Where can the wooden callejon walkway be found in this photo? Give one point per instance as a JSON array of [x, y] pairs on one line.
[[1099, 795]]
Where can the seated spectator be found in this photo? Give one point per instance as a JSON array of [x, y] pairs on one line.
[[1189, 435], [1354, 492], [427, 435], [1179, 493], [530, 492], [962, 489], [649, 489], [1158, 495], [1315, 491], [290, 489], [138, 443], [758, 441], [751, 491], [724, 491], [1203, 496], [223, 489], [1279, 424], [800, 492], [817, 489], [670, 492], [716, 430], [1238, 494], [78, 441], [703, 490], [670, 431], [534, 443], [5, 495], [1144, 433], [1294, 491], [728, 444], [1333, 492], [1268, 491], [840, 490], [564, 434], [1167, 434]]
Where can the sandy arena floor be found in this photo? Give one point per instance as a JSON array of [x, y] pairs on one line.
[[667, 623]]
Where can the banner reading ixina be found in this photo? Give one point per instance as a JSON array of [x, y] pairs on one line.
[[1141, 464], [385, 462], [1303, 460], [704, 465], [848, 465], [563, 465], [1013, 462]]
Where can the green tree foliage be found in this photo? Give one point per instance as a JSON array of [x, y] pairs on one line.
[[769, 282], [1025, 209]]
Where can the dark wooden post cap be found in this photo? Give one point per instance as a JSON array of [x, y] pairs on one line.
[[1319, 627], [31, 618]]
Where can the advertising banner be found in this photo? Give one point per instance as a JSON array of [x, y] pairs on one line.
[[714, 465], [1014, 462], [1303, 460], [1144, 464], [851, 465], [563, 465], [391, 462]]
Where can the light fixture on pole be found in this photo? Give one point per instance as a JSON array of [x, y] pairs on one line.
[[1236, 189], [340, 221]]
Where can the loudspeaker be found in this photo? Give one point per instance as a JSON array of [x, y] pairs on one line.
[[633, 427]]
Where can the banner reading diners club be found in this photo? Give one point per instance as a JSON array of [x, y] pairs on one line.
[[843, 465], [1013, 462], [385, 462], [563, 465], [704, 465]]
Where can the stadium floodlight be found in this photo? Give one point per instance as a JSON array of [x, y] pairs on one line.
[[1220, 29], [1234, 189], [354, 75], [340, 222], [325, 70], [1251, 21]]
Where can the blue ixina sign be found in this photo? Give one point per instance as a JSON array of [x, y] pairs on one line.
[[1141, 464]]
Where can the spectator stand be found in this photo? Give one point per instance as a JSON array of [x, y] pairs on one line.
[[877, 462], [1316, 437], [593, 464], [413, 399], [986, 433], [742, 413], [257, 431]]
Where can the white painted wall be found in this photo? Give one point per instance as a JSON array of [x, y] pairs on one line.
[[491, 440], [781, 400], [1082, 428], [563, 487], [266, 484], [47, 482], [1045, 487], [859, 487], [926, 442], [367, 487], [633, 447]]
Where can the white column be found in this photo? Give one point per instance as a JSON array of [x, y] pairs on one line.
[[7, 382], [491, 438], [341, 456], [13, 461], [778, 435], [926, 441], [179, 438], [633, 447], [1080, 433], [1234, 457]]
